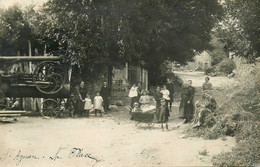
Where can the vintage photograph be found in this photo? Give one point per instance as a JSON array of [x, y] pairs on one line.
[[129, 83]]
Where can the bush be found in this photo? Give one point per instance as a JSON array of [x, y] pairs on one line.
[[227, 66], [247, 151], [209, 70]]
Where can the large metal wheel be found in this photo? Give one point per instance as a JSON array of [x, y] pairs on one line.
[[48, 77], [50, 108]]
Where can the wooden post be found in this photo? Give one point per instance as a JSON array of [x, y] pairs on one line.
[[45, 50], [29, 101], [109, 76], [126, 71], [30, 55]]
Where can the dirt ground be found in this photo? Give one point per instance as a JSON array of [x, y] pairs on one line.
[[112, 141]]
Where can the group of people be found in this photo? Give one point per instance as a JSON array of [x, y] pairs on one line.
[[141, 101], [163, 97], [81, 102], [197, 113]]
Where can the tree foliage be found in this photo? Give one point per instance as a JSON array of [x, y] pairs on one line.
[[97, 33], [15, 32], [217, 52], [240, 28]]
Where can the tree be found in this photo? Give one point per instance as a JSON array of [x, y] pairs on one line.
[[97, 34], [155, 31], [217, 52], [239, 29], [15, 32]]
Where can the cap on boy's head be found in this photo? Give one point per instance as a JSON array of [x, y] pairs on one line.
[[136, 104]]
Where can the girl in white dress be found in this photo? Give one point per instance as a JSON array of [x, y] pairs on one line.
[[87, 105], [98, 104]]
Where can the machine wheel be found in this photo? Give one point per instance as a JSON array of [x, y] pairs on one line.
[[50, 108], [48, 77]]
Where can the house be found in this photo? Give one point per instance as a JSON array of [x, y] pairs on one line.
[[203, 60], [125, 77]]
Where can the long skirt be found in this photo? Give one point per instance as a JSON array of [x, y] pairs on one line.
[[79, 107], [186, 109], [163, 115]]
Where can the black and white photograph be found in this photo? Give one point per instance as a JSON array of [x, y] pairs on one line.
[[129, 83]]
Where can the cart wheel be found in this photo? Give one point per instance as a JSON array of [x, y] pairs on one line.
[[2, 100], [138, 124], [50, 108], [151, 124]]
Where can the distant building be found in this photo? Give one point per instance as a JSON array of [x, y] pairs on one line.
[[203, 60], [124, 78]]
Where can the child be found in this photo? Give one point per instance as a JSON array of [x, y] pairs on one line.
[[87, 105], [163, 114], [98, 104], [166, 95], [135, 109]]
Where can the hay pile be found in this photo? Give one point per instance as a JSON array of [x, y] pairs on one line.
[[238, 114]]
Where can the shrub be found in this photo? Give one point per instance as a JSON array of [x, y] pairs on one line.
[[247, 151], [227, 66], [209, 70]]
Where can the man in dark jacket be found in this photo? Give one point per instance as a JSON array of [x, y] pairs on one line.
[[105, 92], [170, 87]]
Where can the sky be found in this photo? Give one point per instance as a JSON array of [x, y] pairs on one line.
[[7, 3]]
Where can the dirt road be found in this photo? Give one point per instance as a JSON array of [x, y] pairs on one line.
[[101, 142], [112, 141]]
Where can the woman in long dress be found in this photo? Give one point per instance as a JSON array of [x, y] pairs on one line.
[[81, 92], [206, 85], [186, 108]]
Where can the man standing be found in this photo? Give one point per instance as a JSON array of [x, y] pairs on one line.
[[105, 92], [170, 87]]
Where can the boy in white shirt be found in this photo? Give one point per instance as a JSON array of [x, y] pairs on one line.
[[98, 104], [166, 96]]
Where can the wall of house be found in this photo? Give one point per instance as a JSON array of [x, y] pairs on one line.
[[124, 78], [203, 60]]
